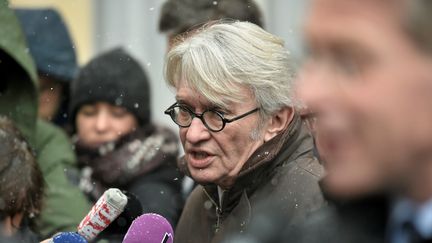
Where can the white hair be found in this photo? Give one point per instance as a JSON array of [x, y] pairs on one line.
[[221, 57]]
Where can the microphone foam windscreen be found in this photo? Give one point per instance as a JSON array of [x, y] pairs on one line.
[[69, 237], [150, 228]]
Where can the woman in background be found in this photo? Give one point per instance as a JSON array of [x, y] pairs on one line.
[[115, 141]]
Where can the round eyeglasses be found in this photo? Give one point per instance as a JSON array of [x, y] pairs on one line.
[[213, 120]]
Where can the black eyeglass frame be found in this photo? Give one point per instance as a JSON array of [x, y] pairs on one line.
[[170, 112]]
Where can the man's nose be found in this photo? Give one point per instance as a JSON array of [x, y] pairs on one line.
[[197, 131]]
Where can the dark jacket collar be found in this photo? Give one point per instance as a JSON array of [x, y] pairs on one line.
[[285, 146]]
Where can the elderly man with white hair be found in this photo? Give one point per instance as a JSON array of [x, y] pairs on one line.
[[244, 142]]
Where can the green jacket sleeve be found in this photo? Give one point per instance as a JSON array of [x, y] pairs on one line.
[[65, 205]]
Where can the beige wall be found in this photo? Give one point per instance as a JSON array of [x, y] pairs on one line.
[[77, 15]]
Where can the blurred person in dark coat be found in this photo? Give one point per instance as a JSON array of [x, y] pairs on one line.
[[180, 16], [115, 140], [53, 51], [367, 83], [244, 142]]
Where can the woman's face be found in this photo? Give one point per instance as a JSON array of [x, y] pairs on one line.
[[101, 122]]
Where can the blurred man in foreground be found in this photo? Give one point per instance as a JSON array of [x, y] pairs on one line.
[[368, 85], [244, 142]]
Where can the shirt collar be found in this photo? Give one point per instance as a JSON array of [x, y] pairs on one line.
[[423, 219], [420, 215]]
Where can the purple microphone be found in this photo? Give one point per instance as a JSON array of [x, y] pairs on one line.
[[149, 228]]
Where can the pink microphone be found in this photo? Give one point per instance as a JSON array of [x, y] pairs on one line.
[[149, 228]]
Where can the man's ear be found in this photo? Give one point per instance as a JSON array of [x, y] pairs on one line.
[[278, 122]]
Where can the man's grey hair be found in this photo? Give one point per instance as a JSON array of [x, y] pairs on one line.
[[419, 23], [222, 57]]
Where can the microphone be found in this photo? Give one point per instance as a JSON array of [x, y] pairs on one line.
[[109, 206], [68, 237], [150, 228], [119, 227]]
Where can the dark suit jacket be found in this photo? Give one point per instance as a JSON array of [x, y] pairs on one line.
[[361, 221]]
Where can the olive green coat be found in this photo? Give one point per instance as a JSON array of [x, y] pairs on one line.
[[64, 204]]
